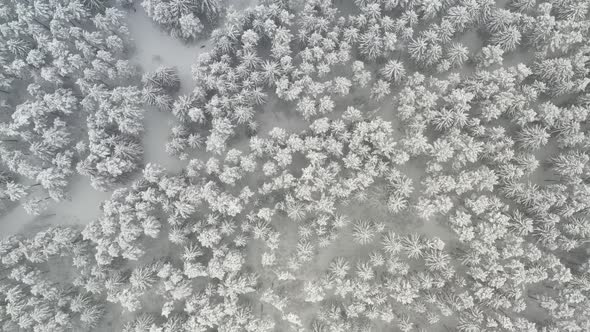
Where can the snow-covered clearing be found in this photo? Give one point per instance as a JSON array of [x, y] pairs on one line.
[[80, 208]]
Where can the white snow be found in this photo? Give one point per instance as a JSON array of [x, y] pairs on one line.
[[154, 48], [80, 208]]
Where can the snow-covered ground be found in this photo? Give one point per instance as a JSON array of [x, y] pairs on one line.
[[80, 208], [154, 48]]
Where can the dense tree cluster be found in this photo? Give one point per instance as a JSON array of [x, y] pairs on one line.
[[200, 221], [183, 19], [32, 298], [63, 65], [438, 185], [228, 87]]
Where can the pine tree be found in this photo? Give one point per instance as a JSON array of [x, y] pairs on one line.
[[142, 277], [533, 137], [523, 5], [393, 71], [507, 39], [457, 54], [364, 232], [190, 27], [413, 246], [371, 43], [570, 164]]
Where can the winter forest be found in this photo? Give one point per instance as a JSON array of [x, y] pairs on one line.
[[294, 165]]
